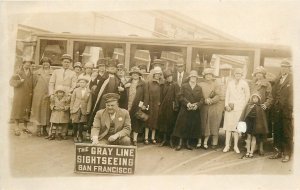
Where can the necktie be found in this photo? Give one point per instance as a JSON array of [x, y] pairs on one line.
[[282, 79], [179, 79]]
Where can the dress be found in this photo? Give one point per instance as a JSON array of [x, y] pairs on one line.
[[22, 99], [188, 121], [40, 110], [210, 114], [238, 95], [167, 116]]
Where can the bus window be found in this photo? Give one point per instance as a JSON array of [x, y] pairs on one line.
[[146, 54], [92, 51], [53, 49]]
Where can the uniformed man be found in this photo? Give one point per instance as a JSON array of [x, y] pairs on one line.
[[112, 125], [283, 113]]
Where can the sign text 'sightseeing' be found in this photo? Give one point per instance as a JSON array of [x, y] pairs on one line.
[[105, 159]]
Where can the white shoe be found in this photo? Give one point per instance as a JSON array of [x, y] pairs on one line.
[[226, 149], [236, 149]]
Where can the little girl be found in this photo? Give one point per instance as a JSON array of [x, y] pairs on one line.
[[80, 107], [255, 117], [60, 116]]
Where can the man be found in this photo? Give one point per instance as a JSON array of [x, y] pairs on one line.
[[112, 125], [67, 79], [283, 113], [180, 76], [64, 76]]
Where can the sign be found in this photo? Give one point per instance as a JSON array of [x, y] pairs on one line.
[[105, 159]]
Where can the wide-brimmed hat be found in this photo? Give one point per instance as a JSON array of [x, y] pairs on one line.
[[157, 70], [60, 89], [89, 65], [77, 64], [66, 56], [285, 63], [207, 71], [109, 97], [259, 69], [238, 71], [26, 59], [193, 73], [135, 70], [101, 62], [121, 66], [112, 63], [45, 59], [86, 79], [168, 73]]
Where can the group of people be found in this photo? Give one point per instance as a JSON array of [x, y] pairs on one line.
[[177, 106]]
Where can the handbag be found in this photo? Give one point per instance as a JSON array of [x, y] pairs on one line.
[[141, 115]]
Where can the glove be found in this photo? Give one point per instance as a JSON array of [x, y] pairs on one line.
[[95, 140]]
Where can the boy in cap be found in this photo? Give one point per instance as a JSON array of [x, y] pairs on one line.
[[60, 116], [80, 107], [112, 125]]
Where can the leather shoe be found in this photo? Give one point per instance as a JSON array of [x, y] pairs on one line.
[[277, 155], [164, 143], [286, 158], [189, 147], [178, 148]]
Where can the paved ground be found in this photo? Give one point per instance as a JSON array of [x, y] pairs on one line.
[[33, 156]]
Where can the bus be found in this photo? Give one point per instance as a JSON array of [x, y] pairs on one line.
[[135, 50]]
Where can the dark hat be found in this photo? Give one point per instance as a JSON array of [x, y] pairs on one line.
[[66, 56], [109, 97], [180, 63], [112, 63], [168, 73], [101, 62], [143, 67], [135, 70], [285, 63]]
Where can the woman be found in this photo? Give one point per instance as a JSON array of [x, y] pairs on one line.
[[167, 115], [188, 121], [22, 82], [135, 88], [40, 114], [210, 113], [152, 101], [261, 86], [237, 96]]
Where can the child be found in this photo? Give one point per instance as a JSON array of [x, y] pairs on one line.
[[80, 107], [255, 117], [59, 104]]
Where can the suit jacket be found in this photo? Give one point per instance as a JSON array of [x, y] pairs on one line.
[[285, 97], [58, 78], [81, 102], [101, 123], [184, 78]]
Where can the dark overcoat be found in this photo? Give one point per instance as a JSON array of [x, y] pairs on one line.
[[136, 124], [23, 92], [152, 99], [167, 116], [188, 121], [260, 126]]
